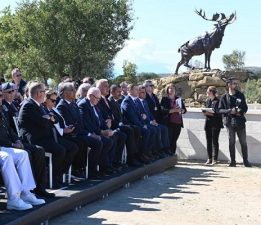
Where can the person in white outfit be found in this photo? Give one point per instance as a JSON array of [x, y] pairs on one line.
[[18, 179]]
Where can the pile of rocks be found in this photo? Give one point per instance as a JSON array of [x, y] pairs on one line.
[[192, 86]]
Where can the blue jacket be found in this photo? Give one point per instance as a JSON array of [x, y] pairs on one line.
[[131, 112], [89, 119]]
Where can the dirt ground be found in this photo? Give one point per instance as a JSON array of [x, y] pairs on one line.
[[189, 194]]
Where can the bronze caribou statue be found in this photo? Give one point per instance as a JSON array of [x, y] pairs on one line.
[[207, 42]]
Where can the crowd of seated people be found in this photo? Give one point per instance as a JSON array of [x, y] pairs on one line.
[[96, 120]]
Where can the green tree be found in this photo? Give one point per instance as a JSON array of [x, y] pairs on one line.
[[53, 38], [130, 72], [253, 91], [147, 76], [234, 61]]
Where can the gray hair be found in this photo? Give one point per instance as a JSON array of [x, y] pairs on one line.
[[100, 82], [147, 83], [64, 86], [34, 87], [83, 88], [93, 91]]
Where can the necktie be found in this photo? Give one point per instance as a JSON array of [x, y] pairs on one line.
[[96, 115]]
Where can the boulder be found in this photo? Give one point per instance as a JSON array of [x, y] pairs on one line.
[[211, 81]]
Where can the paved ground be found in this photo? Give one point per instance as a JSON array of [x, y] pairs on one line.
[[190, 194]]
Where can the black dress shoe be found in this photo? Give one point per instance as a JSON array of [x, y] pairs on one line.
[[43, 193], [247, 164], [232, 164]]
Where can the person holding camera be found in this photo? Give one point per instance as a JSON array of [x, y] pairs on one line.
[[233, 106], [213, 125]]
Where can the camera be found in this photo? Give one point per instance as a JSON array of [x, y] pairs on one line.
[[238, 102]]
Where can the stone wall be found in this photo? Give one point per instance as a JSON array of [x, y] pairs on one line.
[[192, 86]]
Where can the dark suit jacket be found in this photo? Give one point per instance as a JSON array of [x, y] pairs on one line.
[[7, 134], [89, 119], [144, 108], [216, 119], [71, 114], [166, 106], [33, 127], [116, 111], [11, 111], [153, 103], [131, 112], [106, 111]]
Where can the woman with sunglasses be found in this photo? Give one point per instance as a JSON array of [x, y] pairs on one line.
[[213, 125]]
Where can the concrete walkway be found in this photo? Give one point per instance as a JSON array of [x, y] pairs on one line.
[[189, 194]]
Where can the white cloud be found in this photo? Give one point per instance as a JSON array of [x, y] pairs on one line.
[[146, 51]]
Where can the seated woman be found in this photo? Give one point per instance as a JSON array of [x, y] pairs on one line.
[[173, 107], [18, 179], [213, 125]]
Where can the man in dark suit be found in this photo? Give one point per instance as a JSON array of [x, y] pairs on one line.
[[36, 128], [119, 137], [161, 145], [9, 138], [133, 116], [81, 136], [10, 108], [95, 124], [132, 131]]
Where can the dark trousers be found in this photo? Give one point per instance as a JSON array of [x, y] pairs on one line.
[[37, 159], [71, 150], [108, 151], [83, 142], [119, 139], [58, 156], [162, 138], [241, 134], [174, 132], [146, 141], [132, 140], [212, 135], [155, 138]]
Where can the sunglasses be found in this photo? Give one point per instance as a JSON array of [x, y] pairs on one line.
[[18, 75], [9, 92]]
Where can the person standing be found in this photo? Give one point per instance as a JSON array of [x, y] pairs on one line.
[[233, 106], [19, 82], [213, 125], [173, 107]]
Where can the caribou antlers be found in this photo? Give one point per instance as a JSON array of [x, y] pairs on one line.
[[217, 17]]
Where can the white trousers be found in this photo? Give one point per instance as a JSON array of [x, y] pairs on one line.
[[16, 171]]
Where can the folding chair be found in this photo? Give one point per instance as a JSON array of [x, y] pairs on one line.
[[124, 155]]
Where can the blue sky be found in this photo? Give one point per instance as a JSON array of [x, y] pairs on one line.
[[161, 26]]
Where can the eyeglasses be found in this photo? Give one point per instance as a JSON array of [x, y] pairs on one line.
[[235, 83], [96, 97], [9, 92], [18, 75], [52, 100]]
